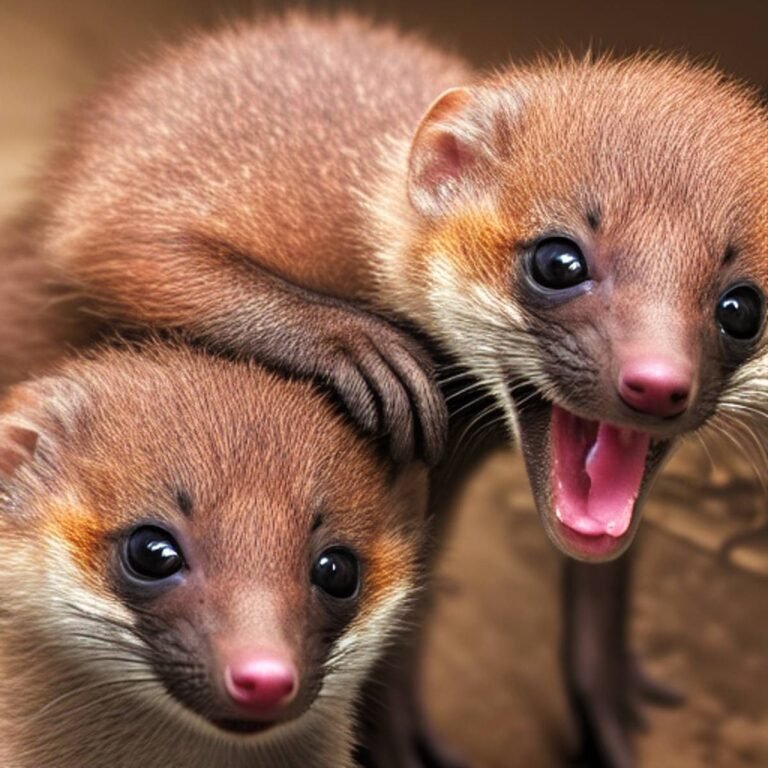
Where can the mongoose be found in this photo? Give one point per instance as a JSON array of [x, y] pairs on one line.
[[200, 562], [586, 236], [39, 317]]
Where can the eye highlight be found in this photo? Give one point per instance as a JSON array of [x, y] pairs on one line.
[[558, 263], [337, 572], [152, 554], [739, 312]]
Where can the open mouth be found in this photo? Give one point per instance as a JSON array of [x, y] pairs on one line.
[[587, 477], [597, 470]]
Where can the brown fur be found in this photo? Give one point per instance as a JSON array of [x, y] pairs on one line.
[[217, 168], [253, 144], [39, 318], [660, 172], [274, 477]]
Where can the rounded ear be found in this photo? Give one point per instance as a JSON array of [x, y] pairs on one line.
[[446, 152], [25, 424], [17, 447]]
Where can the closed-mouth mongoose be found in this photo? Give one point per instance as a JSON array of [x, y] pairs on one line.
[[200, 563]]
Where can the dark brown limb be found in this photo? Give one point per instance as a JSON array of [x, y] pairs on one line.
[[605, 682]]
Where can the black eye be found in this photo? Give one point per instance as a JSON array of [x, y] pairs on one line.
[[740, 312], [558, 263], [336, 572], [153, 553]]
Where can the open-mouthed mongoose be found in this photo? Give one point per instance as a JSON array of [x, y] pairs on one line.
[[587, 237]]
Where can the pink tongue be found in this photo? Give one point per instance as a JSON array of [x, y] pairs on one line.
[[596, 472]]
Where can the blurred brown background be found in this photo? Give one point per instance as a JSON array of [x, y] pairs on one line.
[[700, 614]]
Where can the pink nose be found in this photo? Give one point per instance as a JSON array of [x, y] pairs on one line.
[[261, 684], [656, 386]]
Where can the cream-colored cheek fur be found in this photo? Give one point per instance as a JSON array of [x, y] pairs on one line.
[[75, 695], [480, 327], [487, 332], [360, 647], [742, 411]]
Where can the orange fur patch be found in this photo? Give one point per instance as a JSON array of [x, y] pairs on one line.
[[84, 535], [390, 560], [474, 240]]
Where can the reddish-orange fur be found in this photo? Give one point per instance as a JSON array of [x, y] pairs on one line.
[[84, 535], [248, 145], [286, 146], [39, 318]]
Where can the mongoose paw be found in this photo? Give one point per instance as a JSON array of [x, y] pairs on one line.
[[387, 383], [610, 708]]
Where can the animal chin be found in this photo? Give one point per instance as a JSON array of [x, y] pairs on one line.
[[243, 727], [225, 722], [587, 477]]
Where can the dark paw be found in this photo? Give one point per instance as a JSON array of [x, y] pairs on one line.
[[609, 711], [387, 384]]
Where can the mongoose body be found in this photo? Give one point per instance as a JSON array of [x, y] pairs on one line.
[[200, 564], [39, 319]]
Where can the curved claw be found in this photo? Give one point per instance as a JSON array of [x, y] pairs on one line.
[[384, 379], [400, 381], [397, 413], [430, 410], [354, 391]]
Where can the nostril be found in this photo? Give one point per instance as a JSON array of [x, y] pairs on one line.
[[244, 684], [680, 396], [635, 387]]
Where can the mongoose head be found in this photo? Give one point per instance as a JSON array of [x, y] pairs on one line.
[[592, 240], [209, 541]]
